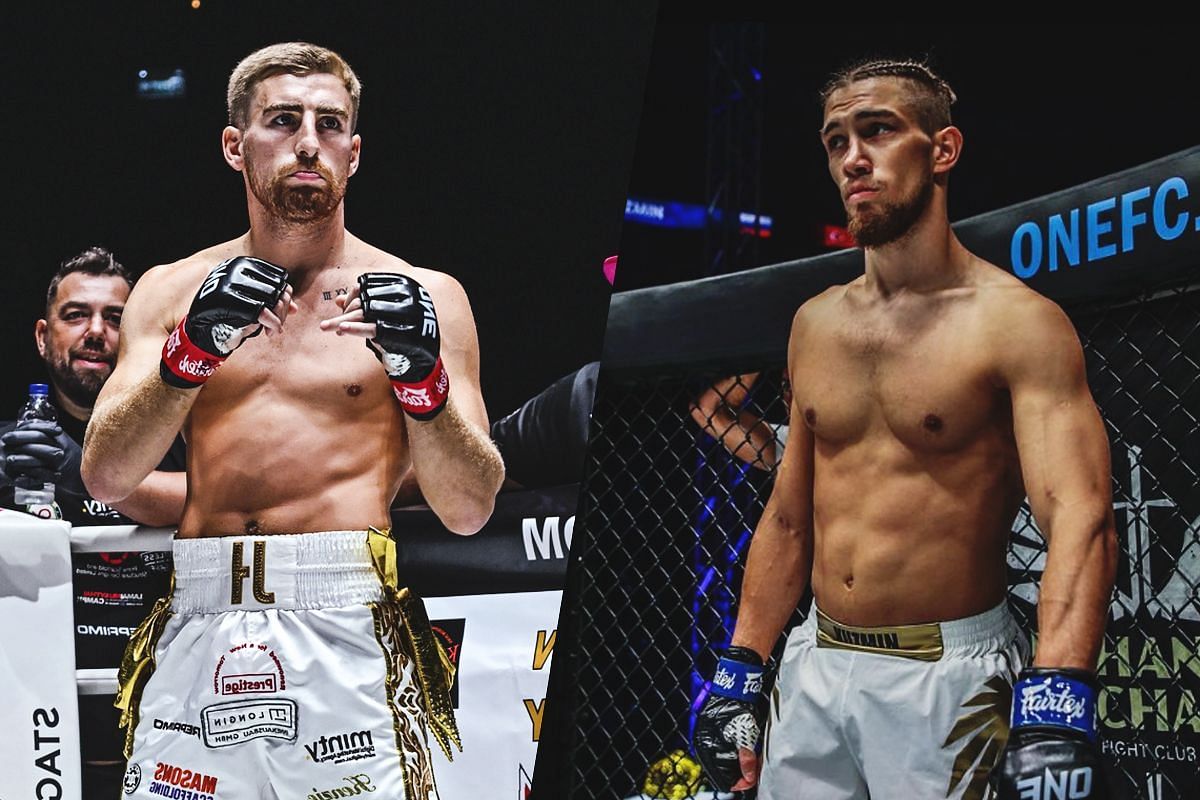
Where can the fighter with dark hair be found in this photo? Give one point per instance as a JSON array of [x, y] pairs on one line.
[[77, 338], [918, 424]]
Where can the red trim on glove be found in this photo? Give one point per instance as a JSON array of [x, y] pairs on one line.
[[185, 360], [425, 398]]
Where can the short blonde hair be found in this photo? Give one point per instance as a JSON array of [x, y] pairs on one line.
[[287, 58]]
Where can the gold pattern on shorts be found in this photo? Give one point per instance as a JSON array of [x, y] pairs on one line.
[[239, 572], [260, 575], [987, 726], [404, 699], [137, 665], [919, 642], [432, 667]]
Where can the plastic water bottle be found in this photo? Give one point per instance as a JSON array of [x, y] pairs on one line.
[[26, 492]]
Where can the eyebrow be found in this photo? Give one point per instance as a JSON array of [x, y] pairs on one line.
[[866, 113], [296, 107], [74, 305]]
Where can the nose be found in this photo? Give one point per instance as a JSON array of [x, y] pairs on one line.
[[96, 326], [307, 142], [856, 162]]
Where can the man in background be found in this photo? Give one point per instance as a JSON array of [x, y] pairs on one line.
[[77, 339]]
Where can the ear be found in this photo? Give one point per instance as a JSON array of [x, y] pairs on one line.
[[231, 147], [39, 336], [947, 147], [355, 151]]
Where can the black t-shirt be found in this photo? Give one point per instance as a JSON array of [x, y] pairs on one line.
[[77, 506]]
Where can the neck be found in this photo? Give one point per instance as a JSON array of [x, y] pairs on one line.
[[69, 407], [927, 258], [297, 247]]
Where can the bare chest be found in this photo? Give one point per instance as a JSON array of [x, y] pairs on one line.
[[304, 365], [924, 382]]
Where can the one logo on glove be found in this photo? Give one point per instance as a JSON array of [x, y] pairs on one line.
[[213, 280], [1076, 783], [428, 321]]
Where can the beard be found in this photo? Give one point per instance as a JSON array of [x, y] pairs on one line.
[[297, 203], [81, 386], [890, 222]]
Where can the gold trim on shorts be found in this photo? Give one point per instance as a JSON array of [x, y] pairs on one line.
[[432, 668], [919, 642], [137, 665], [983, 732]]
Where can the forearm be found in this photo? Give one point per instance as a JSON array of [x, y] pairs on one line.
[[1075, 591], [777, 571], [458, 468], [157, 501], [128, 435]]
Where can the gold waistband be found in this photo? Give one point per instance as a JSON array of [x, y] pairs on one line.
[[920, 642]]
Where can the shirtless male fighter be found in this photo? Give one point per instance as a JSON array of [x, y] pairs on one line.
[[930, 396], [288, 662]]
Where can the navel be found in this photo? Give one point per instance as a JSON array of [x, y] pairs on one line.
[[251, 527]]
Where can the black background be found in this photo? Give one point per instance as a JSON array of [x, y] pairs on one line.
[[496, 147], [1041, 109]]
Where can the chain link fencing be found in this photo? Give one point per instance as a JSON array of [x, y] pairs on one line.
[[681, 465]]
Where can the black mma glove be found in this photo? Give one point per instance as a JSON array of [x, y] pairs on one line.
[[223, 314], [36, 452], [1052, 749], [731, 716], [406, 341]]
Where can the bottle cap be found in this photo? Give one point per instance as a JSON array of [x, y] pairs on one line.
[[39, 388]]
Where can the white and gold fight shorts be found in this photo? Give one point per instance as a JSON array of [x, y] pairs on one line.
[[285, 666], [891, 712]]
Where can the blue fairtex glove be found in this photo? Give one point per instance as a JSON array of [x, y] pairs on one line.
[[1052, 748], [731, 717]]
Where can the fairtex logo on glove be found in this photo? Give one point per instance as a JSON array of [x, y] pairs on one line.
[[424, 398], [198, 367], [183, 363], [737, 680], [724, 679], [417, 398], [1055, 700]]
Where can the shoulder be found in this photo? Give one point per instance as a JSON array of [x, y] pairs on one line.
[[1026, 333], [1008, 305], [448, 294], [821, 308], [188, 272]]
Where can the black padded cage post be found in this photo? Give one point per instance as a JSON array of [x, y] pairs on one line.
[[666, 510]]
